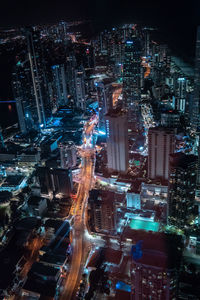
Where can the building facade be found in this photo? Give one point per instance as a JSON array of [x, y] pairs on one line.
[[182, 182], [117, 141], [161, 143]]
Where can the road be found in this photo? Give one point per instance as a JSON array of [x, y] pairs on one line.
[[79, 242]]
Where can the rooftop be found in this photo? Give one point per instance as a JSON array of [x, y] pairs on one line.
[[157, 244], [182, 160], [53, 258], [13, 180], [108, 255], [42, 270], [42, 287], [34, 200], [116, 113], [5, 196], [28, 223]]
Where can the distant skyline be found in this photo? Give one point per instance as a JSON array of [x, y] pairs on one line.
[[178, 19]]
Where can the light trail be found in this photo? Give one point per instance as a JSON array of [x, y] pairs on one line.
[[79, 240]]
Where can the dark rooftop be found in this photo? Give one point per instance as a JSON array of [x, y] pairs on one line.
[[28, 223], [42, 287], [182, 160], [5, 196], [157, 244], [34, 200], [109, 255], [40, 269], [52, 258], [13, 180]]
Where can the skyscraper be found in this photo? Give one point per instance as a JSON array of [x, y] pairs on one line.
[[103, 211], [161, 143], [55, 181], [79, 89], [32, 37], [68, 155], [60, 85], [104, 97], [181, 94], [132, 78], [28, 114], [195, 119], [30, 86], [182, 181], [197, 191], [155, 272], [117, 141]]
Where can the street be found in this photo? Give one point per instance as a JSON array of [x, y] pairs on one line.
[[79, 241]]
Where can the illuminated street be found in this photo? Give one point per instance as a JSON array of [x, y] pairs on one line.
[[79, 242]]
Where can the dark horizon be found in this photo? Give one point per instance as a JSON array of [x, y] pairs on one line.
[[176, 19]]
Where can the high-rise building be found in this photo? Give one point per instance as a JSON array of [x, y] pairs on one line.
[[170, 119], [70, 74], [24, 95], [62, 182], [161, 143], [195, 118], [68, 155], [2, 144], [197, 191], [79, 89], [181, 94], [155, 267], [146, 42], [182, 182], [30, 86], [132, 78], [55, 181], [103, 211], [37, 68], [60, 85], [117, 141], [104, 97]]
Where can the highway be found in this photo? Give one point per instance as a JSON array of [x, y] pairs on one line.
[[79, 242]]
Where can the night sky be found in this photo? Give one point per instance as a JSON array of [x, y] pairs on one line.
[[176, 19]]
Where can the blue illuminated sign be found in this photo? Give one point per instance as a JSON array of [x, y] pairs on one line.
[[102, 132], [120, 285], [136, 250]]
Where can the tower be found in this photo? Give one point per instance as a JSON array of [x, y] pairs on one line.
[[104, 97], [1, 139], [79, 89], [196, 96], [60, 85], [117, 141], [161, 143], [181, 195], [132, 79], [197, 191], [30, 86], [155, 266], [68, 155], [35, 78]]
